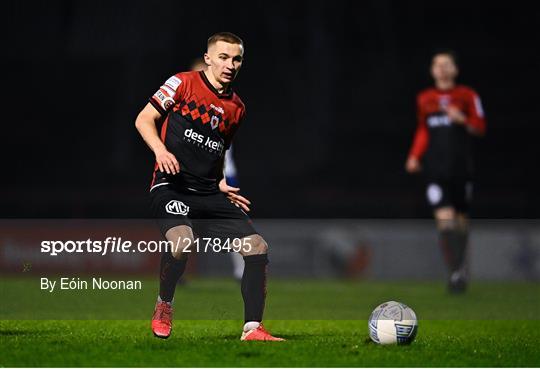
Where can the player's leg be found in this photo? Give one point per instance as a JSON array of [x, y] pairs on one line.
[[172, 266], [462, 224], [453, 234], [232, 225], [441, 196], [445, 218], [253, 287], [462, 199], [255, 253], [173, 262], [171, 209]]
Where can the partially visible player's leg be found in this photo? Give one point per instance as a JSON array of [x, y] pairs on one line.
[[453, 240], [446, 199], [462, 225], [461, 198], [445, 218]]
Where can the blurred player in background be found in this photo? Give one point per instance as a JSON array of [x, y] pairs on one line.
[[188, 193], [449, 115], [231, 177]]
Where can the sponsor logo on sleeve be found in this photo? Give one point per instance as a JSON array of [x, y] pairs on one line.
[[168, 90], [173, 83], [165, 101]]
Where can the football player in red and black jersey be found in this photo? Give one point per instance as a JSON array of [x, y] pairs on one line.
[[449, 115], [189, 196]]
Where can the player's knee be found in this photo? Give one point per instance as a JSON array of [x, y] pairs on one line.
[[258, 245], [180, 239], [179, 254], [462, 221], [446, 218]]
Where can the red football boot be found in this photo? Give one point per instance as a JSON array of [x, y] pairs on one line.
[[254, 331], [162, 320]]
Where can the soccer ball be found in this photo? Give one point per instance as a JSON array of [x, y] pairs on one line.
[[392, 322]]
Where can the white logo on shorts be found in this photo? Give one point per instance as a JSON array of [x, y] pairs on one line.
[[176, 207], [434, 193]]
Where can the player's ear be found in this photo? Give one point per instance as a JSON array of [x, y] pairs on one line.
[[207, 59]]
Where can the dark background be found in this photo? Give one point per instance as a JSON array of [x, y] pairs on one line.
[[329, 86]]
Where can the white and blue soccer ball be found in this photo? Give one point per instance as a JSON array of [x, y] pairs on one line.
[[392, 323]]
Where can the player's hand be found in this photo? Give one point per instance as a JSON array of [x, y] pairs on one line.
[[413, 165], [233, 196], [167, 162], [455, 115]]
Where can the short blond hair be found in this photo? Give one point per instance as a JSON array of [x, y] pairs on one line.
[[228, 37]]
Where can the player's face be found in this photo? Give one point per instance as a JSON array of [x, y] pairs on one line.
[[224, 61], [443, 68]]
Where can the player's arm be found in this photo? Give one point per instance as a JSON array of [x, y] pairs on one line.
[[472, 118], [146, 125], [420, 142], [231, 192], [476, 123]]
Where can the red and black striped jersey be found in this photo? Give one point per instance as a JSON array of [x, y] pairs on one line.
[[447, 147], [199, 126]]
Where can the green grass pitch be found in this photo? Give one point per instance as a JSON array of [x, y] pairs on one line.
[[324, 322]]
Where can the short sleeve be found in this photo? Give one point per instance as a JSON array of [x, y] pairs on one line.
[[476, 118], [234, 128], [169, 94]]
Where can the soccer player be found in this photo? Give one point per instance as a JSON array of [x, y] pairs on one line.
[[449, 115], [189, 195], [231, 178]]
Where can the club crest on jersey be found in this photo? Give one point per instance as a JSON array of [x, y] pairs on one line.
[[177, 208], [444, 102], [214, 122]]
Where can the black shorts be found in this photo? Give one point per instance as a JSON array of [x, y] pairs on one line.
[[209, 215], [455, 193]]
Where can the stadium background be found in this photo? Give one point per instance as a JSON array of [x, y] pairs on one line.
[[330, 90]]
